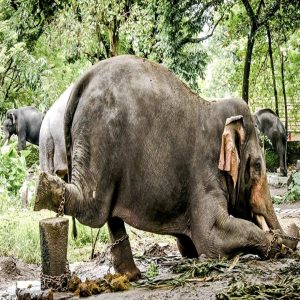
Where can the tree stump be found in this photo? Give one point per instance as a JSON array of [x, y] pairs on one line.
[[54, 243]]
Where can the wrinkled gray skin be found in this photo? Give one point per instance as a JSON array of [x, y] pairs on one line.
[[145, 150], [52, 140], [271, 126], [25, 122]]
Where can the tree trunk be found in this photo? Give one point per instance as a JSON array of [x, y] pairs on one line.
[[284, 92], [272, 68], [285, 105], [247, 66], [114, 37]]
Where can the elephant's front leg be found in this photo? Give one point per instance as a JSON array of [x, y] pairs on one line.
[[121, 250], [220, 235], [186, 247], [21, 141]]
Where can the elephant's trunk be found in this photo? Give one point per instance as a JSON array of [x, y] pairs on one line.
[[50, 192], [263, 210]]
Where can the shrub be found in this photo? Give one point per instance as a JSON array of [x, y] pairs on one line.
[[293, 191], [33, 156], [272, 160], [12, 174]]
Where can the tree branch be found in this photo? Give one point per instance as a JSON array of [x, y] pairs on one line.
[[249, 11], [269, 14], [200, 39]]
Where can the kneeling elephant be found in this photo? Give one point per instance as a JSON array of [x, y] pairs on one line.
[[144, 149]]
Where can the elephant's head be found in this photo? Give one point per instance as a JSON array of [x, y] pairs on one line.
[[242, 158], [10, 125]]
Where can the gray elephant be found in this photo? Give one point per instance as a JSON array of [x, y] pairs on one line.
[[52, 140], [144, 149], [52, 150], [25, 122], [270, 125]]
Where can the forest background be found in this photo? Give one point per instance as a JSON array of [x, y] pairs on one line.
[[220, 48]]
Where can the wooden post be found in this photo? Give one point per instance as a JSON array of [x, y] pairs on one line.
[[54, 243]]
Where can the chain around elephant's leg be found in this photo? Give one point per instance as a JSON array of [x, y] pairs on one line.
[[121, 251]]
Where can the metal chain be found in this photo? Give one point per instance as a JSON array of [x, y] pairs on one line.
[[61, 207], [274, 238], [291, 238], [56, 283], [118, 241], [115, 243]]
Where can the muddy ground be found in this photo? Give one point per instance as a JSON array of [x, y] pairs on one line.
[[162, 252]]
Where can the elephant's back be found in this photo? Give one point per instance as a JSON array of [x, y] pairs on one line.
[[130, 74], [124, 98]]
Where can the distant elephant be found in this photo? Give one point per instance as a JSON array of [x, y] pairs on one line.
[[144, 149], [25, 122], [270, 125], [52, 140]]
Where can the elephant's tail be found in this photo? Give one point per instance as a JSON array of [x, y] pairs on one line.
[[72, 104], [68, 120]]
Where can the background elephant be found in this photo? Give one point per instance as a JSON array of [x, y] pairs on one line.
[[52, 141], [144, 149], [25, 122], [271, 126], [52, 149]]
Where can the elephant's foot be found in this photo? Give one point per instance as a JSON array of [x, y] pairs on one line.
[[282, 172], [121, 251], [292, 231], [49, 192], [279, 246], [129, 269]]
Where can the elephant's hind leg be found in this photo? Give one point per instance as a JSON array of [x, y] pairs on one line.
[[186, 247], [121, 252]]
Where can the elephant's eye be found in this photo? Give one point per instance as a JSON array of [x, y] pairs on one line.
[[257, 166]]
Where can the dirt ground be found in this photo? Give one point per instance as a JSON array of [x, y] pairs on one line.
[[162, 252]]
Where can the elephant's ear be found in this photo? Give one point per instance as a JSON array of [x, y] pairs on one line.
[[233, 136]]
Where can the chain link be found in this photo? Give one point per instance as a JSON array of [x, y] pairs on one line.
[[56, 283], [118, 241], [274, 238], [115, 243], [61, 208], [287, 237]]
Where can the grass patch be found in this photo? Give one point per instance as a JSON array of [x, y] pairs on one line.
[[19, 231]]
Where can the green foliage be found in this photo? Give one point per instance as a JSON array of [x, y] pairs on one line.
[[293, 191], [44, 48], [152, 270], [12, 168], [19, 231], [188, 270], [288, 287], [32, 158], [272, 160], [19, 236]]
